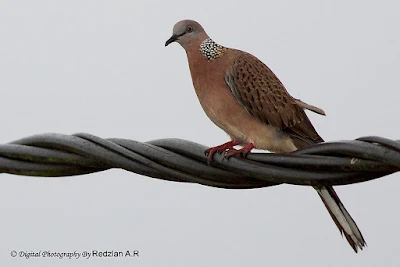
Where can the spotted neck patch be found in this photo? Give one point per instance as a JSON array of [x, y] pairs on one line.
[[211, 50]]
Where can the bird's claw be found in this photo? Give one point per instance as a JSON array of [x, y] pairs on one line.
[[230, 151], [210, 153], [239, 152], [234, 152], [219, 149]]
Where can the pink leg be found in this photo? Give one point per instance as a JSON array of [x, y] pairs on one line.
[[241, 152], [227, 146]]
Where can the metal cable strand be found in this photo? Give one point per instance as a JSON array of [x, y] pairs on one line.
[[332, 163]]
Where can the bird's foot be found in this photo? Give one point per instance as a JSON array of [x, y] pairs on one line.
[[221, 148], [240, 152]]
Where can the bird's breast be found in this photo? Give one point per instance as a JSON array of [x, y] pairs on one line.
[[216, 99], [221, 106]]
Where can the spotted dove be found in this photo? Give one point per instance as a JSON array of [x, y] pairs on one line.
[[242, 96]]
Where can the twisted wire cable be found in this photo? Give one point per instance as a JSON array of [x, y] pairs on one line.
[[331, 163]]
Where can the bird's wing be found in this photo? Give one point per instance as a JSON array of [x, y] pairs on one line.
[[261, 93]]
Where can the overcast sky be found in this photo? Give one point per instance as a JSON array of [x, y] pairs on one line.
[[101, 67]]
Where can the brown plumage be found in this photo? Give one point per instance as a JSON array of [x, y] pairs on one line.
[[242, 96], [263, 95]]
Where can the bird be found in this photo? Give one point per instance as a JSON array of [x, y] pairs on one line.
[[243, 97]]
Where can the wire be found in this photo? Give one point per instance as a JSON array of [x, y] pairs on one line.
[[331, 163]]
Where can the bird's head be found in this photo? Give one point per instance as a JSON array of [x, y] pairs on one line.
[[187, 33]]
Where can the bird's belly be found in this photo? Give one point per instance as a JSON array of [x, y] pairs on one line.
[[224, 122], [243, 127]]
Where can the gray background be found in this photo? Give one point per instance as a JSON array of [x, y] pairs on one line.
[[101, 67]]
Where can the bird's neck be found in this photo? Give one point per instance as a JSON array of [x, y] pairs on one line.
[[211, 50], [203, 58]]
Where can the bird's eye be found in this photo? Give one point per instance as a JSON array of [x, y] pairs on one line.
[[189, 29]]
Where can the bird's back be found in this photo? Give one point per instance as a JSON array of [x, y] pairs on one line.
[[263, 95]]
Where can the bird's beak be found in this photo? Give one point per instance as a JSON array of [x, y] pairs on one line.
[[173, 38]]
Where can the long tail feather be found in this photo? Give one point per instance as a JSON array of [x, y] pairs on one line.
[[341, 217]]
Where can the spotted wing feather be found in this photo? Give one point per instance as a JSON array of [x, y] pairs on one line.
[[261, 93]]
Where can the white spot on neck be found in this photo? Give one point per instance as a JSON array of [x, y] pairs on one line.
[[210, 49]]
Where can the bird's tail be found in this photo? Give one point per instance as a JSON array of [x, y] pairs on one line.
[[341, 217]]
